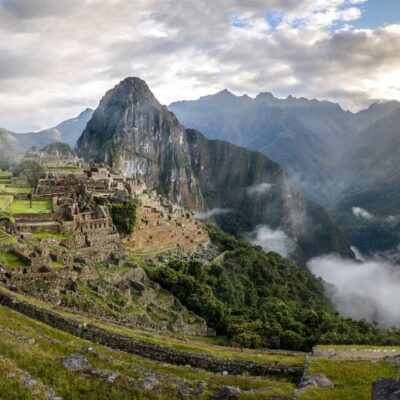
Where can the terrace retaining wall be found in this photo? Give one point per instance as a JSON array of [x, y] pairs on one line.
[[145, 349], [40, 217]]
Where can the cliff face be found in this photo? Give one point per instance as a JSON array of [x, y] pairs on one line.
[[132, 131]]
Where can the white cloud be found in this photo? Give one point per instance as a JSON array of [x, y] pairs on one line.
[[361, 213], [57, 58], [259, 189], [211, 213], [368, 289], [272, 240]]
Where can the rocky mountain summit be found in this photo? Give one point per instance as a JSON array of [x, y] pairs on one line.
[[132, 131]]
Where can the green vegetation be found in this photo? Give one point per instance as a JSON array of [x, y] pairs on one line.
[[6, 238], [5, 201], [15, 190], [24, 207], [49, 235], [194, 345], [60, 148], [262, 300], [124, 215], [31, 171], [11, 260], [43, 362], [352, 379]]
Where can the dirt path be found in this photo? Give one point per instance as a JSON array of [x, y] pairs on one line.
[[355, 354]]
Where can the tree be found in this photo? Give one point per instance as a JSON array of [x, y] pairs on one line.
[[32, 172]]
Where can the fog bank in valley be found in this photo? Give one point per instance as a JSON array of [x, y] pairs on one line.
[[367, 289], [272, 240]]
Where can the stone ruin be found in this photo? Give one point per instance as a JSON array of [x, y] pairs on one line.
[[87, 217], [97, 179], [56, 159]]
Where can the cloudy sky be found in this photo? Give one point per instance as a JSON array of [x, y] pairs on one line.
[[59, 56]]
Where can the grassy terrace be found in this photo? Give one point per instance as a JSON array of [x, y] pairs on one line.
[[49, 235], [5, 200], [30, 346], [184, 344], [14, 190], [6, 238], [198, 346], [23, 207], [357, 347], [352, 378], [11, 261]]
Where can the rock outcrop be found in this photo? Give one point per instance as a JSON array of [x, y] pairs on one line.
[[132, 131], [386, 389]]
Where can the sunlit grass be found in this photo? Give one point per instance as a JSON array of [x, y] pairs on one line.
[[23, 207], [352, 379], [43, 361]]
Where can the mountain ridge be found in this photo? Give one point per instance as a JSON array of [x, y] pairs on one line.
[[145, 140]]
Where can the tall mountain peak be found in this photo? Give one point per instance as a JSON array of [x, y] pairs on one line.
[[132, 132], [135, 90]]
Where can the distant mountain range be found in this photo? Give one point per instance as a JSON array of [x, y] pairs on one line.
[[339, 159], [132, 131], [67, 131]]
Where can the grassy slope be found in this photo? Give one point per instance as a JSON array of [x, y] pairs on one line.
[[179, 343], [14, 189], [43, 361], [352, 379], [23, 207], [4, 201]]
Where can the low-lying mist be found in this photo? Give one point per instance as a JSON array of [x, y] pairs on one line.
[[211, 213], [367, 289], [272, 240]]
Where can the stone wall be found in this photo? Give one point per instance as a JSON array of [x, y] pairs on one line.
[[40, 217], [145, 349]]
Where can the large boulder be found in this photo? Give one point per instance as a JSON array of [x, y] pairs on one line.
[[76, 362], [227, 393], [320, 381], [386, 389]]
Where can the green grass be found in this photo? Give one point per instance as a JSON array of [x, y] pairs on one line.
[[48, 235], [42, 361], [6, 238], [5, 201], [5, 173], [352, 379], [183, 344], [11, 385], [16, 190], [356, 347], [23, 207], [11, 260]]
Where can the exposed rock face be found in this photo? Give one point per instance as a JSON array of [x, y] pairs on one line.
[[320, 381], [75, 362], [386, 389], [132, 131], [227, 393]]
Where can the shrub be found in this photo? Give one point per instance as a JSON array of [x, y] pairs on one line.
[[124, 215]]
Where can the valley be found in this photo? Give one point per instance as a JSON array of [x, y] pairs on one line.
[[339, 159]]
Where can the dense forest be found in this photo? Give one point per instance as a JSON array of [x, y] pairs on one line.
[[263, 300]]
